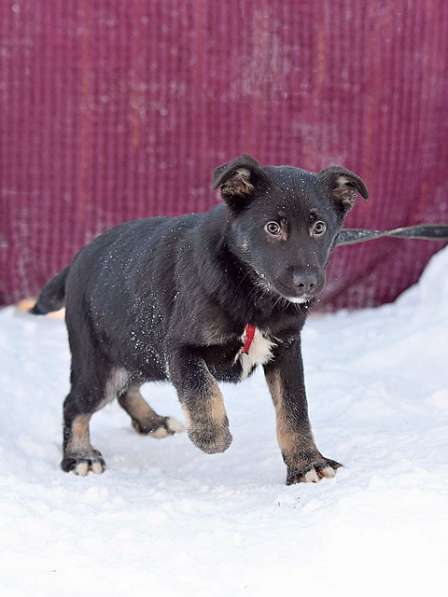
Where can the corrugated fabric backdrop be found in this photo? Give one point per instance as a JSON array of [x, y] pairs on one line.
[[112, 110]]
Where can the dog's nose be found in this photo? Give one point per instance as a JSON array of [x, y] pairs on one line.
[[305, 282]]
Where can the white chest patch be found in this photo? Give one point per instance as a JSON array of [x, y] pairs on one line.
[[260, 352]]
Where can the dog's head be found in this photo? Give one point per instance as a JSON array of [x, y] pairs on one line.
[[284, 221]]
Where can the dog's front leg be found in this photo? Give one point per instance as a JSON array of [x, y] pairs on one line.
[[202, 402], [285, 379]]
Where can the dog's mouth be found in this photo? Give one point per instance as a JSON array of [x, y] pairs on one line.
[[298, 300], [289, 295], [293, 295]]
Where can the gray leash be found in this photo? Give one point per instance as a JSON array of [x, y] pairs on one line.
[[352, 236]]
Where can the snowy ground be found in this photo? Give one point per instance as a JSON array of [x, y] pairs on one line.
[[166, 519]]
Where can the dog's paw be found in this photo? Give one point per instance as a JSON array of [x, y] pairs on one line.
[[163, 427], [313, 472], [83, 464], [211, 440]]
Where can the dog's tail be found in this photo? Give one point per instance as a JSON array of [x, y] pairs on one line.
[[52, 296]]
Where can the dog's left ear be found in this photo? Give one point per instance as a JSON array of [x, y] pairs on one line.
[[238, 179], [344, 185]]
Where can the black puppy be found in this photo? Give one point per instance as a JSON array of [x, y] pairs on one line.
[[200, 298]]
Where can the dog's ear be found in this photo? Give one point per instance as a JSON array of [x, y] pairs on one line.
[[238, 179], [344, 185]]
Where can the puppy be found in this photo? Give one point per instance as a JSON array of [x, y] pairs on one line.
[[203, 298]]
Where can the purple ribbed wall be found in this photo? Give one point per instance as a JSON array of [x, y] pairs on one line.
[[112, 110]]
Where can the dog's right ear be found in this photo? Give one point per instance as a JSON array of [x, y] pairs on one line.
[[238, 179]]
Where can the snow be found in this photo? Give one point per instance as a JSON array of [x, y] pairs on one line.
[[166, 519]]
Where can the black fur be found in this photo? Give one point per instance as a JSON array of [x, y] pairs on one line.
[[52, 297], [169, 298]]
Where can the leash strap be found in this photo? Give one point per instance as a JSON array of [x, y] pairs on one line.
[[352, 236]]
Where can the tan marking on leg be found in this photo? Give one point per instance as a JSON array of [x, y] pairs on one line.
[[207, 422], [137, 407], [209, 411], [297, 445], [291, 441], [148, 421], [80, 437], [287, 437], [80, 454], [217, 409]]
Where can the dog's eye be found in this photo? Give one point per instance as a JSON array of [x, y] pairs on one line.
[[318, 228], [273, 228]]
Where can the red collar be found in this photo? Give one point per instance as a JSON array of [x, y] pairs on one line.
[[249, 333]]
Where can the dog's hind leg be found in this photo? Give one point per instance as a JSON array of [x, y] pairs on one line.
[[144, 419], [88, 394], [79, 454]]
